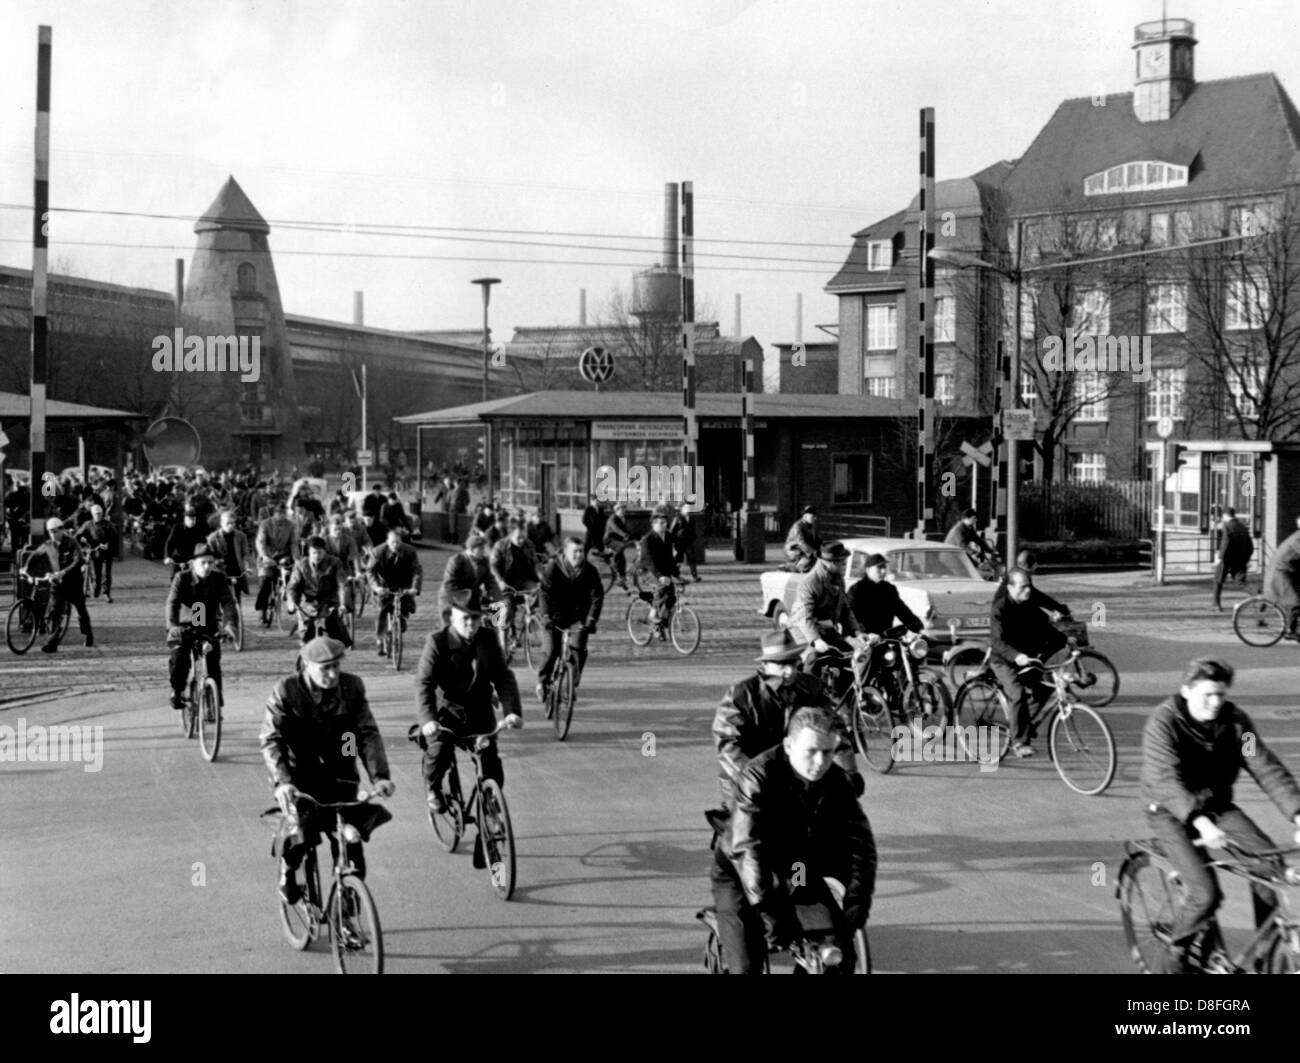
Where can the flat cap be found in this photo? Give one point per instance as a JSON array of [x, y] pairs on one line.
[[833, 551], [323, 650]]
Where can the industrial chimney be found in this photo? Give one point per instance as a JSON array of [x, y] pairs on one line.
[[657, 292]]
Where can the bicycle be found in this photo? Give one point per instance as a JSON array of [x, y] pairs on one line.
[[359, 593], [606, 557], [486, 809], [811, 951], [391, 635], [313, 620], [683, 625], [1080, 742], [526, 624], [274, 613], [563, 691], [1150, 892], [349, 913], [34, 613], [1093, 678], [237, 630], [1260, 621], [202, 711]]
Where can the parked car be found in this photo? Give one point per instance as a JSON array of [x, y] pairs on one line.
[[73, 472], [938, 582]]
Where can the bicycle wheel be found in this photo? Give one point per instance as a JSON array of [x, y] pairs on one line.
[[873, 728], [640, 626], [1282, 958], [498, 838], [1259, 621], [296, 920], [533, 642], [565, 696], [713, 954], [63, 619], [1093, 679], [350, 624], [983, 718], [209, 720], [449, 826], [685, 629], [363, 598], [395, 634], [963, 663], [861, 947], [287, 620], [1149, 899], [354, 926], [1082, 749], [21, 625], [87, 580], [927, 701]]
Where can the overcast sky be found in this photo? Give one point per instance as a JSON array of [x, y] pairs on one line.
[[796, 121]]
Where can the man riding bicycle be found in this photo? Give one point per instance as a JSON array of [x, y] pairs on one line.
[[963, 534], [60, 557], [231, 547], [394, 570], [655, 558], [199, 602], [570, 598], [314, 590], [459, 670], [318, 724], [1019, 631], [340, 544], [184, 538], [802, 543], [1193, 748], [820, 610], [615, 540], [514, 566], [277, 544], [466, 570], [796, 821]]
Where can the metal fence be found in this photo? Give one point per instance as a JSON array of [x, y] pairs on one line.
[[724, 525], [1117, 509]]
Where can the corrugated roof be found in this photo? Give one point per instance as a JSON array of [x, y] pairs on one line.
[[649, 405], [14, 406], [1245, 131]]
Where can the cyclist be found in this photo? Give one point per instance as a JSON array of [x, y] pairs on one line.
[[394, 570], [1235, 549], [875, 603], [318, 724], [655, 558], [199, 602], [616, 538], [820, 610], [315, 581], [541, 535], [514, 565], [184, 537], [277, 544], [466, 569], [796, 820], [459, 670], [681, 533], [1018, 631], [1028, 560], [963, 534], [340, 544], [231, 547], [802, 543], [593, 521], [571, 598], [60, 556], [755, 712], [374, 532], [99, 537], [1193, 748]]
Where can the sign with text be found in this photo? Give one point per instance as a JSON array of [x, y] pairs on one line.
[[1018, 424], [637, 429]]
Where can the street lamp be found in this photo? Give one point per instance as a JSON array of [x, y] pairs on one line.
[[486, 284]]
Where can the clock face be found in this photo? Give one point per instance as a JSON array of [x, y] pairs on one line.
[[1153, 61]]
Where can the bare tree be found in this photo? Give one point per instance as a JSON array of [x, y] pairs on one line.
[[647, 350]]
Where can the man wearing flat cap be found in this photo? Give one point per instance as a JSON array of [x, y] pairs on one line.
[[60, 557], [466, 570], [820, 604], [318, 724], [875, 602], [802, 543], [460, 668], [199, 602]]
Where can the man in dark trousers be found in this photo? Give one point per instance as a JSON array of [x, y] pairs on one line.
[[60, 556], [802, 543], [1235, 547], [459, 670], [593, 521], [570, 598], [1019, 630], [199, 602], [875, 602], [655, 558], [1194, 746], [471, 567], [681, 533], [615, 539], [99, 537]]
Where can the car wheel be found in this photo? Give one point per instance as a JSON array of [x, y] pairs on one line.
[[780, 618]]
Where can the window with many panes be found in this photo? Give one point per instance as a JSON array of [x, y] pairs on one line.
[[1159, 233], [1246, 302], [1245, 380], [880, 255], [1028, 390], [1165, 393], [1166, 307], [1252, 220], [881, 387], [945, 319], [1088, 467], [1092, 312], [945, 389], [882, 328], [1090, 394]]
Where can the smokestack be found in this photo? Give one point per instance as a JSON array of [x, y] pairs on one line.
[[180, 287], [738, 332], [670, 226], [798, 317], [582, 306], [358, 308]]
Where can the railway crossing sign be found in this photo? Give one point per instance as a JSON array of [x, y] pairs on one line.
[[973, 456]]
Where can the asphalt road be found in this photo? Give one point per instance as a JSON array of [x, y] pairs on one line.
[[158, 862]]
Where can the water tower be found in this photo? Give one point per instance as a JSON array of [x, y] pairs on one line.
[[657, 291]]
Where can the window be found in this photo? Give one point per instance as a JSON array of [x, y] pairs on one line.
[[1090, 393], [1182, 227], [880, 387], [1028, 311], [880, 255], [945, 319], [247, 277], [850, 478], [945, 389], [1165, 394], [1135, 176], [1159, 230], [1088, 468], [882, 328], [1092, 312], [1247, 302], [1253, 220], [1246, 387], [1167, 307], [1028, 390]]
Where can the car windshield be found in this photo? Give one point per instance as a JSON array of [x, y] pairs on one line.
[[931, 564]]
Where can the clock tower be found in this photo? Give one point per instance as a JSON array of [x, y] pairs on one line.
[[1163, 51]]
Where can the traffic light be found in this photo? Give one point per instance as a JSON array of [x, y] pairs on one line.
[[1173, 456]]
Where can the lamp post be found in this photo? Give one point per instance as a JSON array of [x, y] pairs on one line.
[[486, 284]]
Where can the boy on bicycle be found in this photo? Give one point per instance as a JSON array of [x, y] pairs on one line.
[[1193, 748], [394, 571], [315, 582], [655, 557], [571, 598]]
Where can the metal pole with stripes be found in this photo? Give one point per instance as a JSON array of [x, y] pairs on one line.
[[999, 493], [925, 331], [747, 416], [40, 281], [689, 430]]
